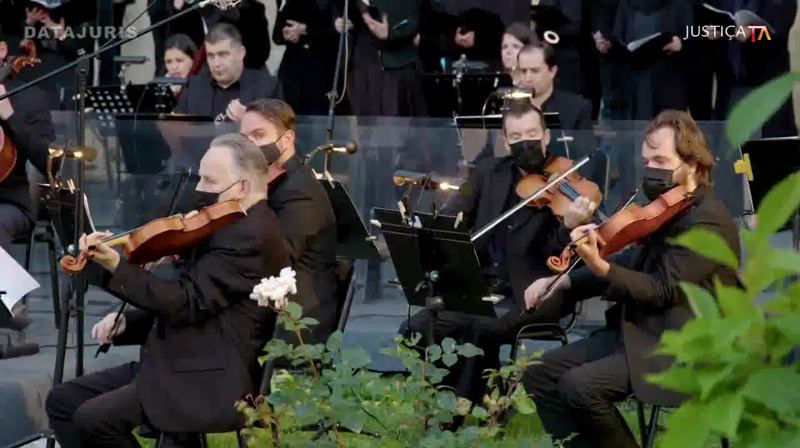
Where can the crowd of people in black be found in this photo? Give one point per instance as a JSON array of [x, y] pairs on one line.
[[399, 54]]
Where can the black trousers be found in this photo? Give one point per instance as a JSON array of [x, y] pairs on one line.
[[487, 333], [575, 388], [97, 410], [13, 224]]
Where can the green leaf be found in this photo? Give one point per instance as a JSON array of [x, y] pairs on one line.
[[355, 358], [708, 244], [749, 114], [688, 427], [310, 321], [353, 420], [785, 260], [434, 353], [480, 413], [334, 341], [449, 345], [469, 350], [789, 326], [734, 302], [449, 359], [727, 408], [447, 401], [678, 378], [777, 388], [778, 206], [701, 300], [294, 310]]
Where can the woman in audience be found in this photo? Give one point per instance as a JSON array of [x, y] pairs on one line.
[[517, 35], [178, 58]]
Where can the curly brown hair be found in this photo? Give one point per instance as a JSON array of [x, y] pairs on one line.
[[690, 142]]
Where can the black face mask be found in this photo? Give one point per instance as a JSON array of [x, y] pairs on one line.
[[198, 200], [656, 182], [528, 155]]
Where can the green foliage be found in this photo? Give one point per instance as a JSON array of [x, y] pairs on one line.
[[336, 392], [754, 110], [731, 359]]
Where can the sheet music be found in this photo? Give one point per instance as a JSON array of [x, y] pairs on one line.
[[88, 213], [744, 17], [635, 45], [14, 280]]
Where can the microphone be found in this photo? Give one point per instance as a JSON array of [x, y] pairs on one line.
[[86, 153], [131, 59], [343, 147], [429, 182], [18, 351], [168, 80]]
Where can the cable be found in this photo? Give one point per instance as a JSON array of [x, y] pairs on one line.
[[346, 50]]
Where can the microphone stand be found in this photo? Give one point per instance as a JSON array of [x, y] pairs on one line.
[[333, 95]]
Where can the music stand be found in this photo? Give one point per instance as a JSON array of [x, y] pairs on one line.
[[437, 266], [151, 98], [353, 240], [462, 93], [770, 161], [107, 101]]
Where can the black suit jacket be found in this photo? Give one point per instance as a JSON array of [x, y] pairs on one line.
[[645, 284], [574, 111], [30, 128], [533, 234], [308, 227], [202, 329], [196, 96]]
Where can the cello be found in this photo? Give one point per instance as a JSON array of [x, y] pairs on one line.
[[10, 66]]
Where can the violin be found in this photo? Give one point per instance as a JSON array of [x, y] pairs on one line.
[[164, 236], [559, 197], [10, 66], [630, 225]]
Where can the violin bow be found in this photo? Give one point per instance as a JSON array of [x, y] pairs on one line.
[[184, 179], [551, 288]]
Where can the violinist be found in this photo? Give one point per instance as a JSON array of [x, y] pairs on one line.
[[308, 224], [575, 387], [199, 329], [28, 127], [513, 254]]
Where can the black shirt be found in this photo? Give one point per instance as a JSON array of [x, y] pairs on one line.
[[497, 272], [203, 96]]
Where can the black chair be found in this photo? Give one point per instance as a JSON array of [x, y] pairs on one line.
[[41, 233], [649, 429], [550, 331]]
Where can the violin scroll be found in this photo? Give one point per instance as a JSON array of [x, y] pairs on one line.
[[560, 263], [74, 265]]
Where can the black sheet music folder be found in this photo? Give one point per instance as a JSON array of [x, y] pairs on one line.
[[435, 245], [353, 240]]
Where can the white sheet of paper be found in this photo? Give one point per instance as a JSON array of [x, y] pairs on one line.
[[14, 280]]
